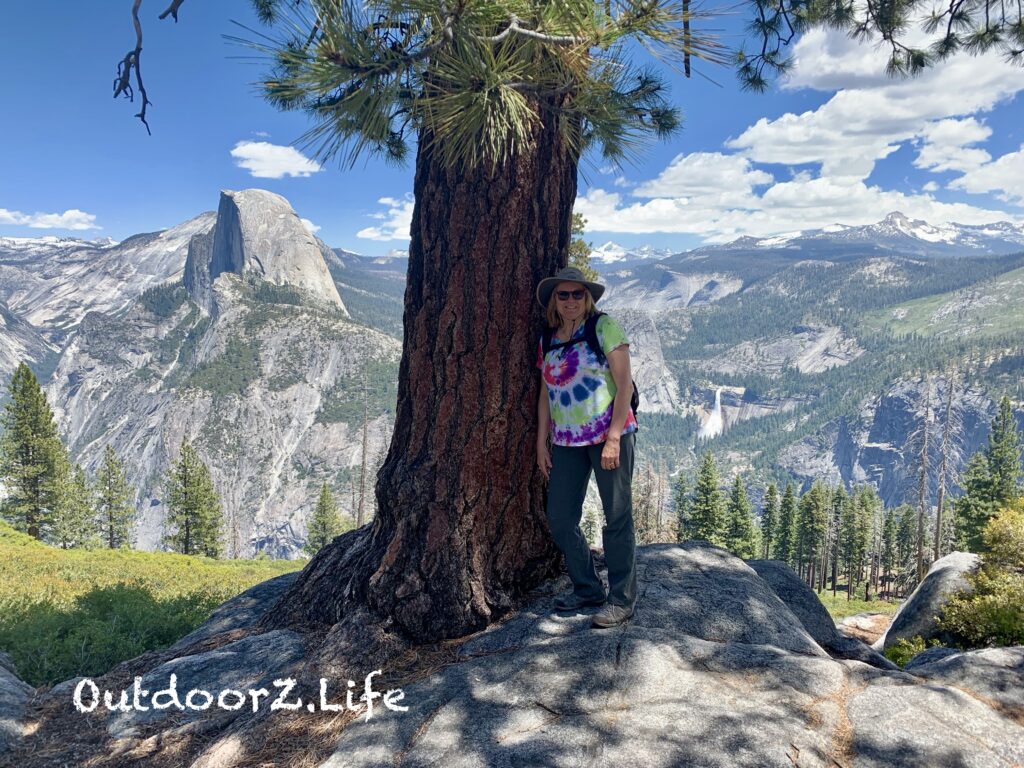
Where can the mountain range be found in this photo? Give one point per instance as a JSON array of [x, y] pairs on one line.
[[243, 333]]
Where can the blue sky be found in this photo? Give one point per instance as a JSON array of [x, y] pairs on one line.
[[839, 142]]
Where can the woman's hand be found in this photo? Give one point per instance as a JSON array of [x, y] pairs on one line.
[[610, 453], [544, 459]]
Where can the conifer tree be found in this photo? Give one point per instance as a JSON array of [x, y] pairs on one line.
[[707, 508], [978, 503], [785, 546], [849, 530], [325, 524], [681, 502], [579, 249], [33, 461], [589, 525], [906, 528], [115, 511], [1003, 455], [193, 509], [740, 533], [74, 523], [813, 515], [769, 520], [834, 526], [890, 532]]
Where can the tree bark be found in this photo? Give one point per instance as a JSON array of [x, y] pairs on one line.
[[460, 531]]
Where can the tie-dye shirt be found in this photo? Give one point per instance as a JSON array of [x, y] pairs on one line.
[[581, 390]]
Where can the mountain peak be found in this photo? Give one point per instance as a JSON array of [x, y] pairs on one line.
[[257, 232]]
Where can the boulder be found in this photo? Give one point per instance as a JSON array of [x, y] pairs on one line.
[[865, 626], [241, 611], [250, 663], [993, 675], [814, 617], [14, 696], [917, 615]]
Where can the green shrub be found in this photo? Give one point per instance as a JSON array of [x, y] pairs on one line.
[[993, 615], [992, 612], [904, 650], [73, 612]]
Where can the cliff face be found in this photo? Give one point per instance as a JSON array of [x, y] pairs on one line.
[[258, 233], [257, 365], [877, 446]]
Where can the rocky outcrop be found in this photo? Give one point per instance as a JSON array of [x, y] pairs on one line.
[[917, 615], [872, 447], [258, 233], [806, 606], [992, 675], [713, 670], [262, 387], [14, 696], [658, 388], [867, 627]]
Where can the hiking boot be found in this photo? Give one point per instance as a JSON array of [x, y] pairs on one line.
[[573, 602], [612, 615]]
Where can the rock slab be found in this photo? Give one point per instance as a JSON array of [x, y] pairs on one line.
[[917, 615]]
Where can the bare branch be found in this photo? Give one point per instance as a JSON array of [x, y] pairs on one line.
[[133, 62], [172, 10]]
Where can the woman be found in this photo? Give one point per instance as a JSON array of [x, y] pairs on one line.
[[584, 408]]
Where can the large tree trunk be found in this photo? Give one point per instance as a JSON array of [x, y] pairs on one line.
[[460, 530]]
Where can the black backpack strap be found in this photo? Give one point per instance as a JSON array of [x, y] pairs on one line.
[[545, 340], [590, 333]]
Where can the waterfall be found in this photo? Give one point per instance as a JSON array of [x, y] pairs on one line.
[[713, 426]]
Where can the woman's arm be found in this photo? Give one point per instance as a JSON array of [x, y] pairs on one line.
[[543, 428], [618, 363]]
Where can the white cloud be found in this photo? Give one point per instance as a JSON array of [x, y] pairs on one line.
[[70, 219], [872, 115], [946, 145], [310, 226], [931, 186], [272, 161], [261, 134], [396, 220], [725, 179], [799, 204], [1003, 175]]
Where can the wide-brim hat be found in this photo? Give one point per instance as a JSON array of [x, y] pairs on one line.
[[568, 274]]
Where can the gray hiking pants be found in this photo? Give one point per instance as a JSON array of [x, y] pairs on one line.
[[570, 473]]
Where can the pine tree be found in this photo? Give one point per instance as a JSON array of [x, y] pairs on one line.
[[1003, 455], [906, 573], [785, 547], [850, 544], [33, 461], [325, 523], [769, 520], [839, 499], [812, 517], [579, 249], [889, 537], [74, 525], [114, 508], [978, 504], [707, 509], [740, 533], [681, 504], [193, 509], [589, 526]]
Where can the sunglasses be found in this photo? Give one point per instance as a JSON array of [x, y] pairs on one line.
[[564, 295]]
